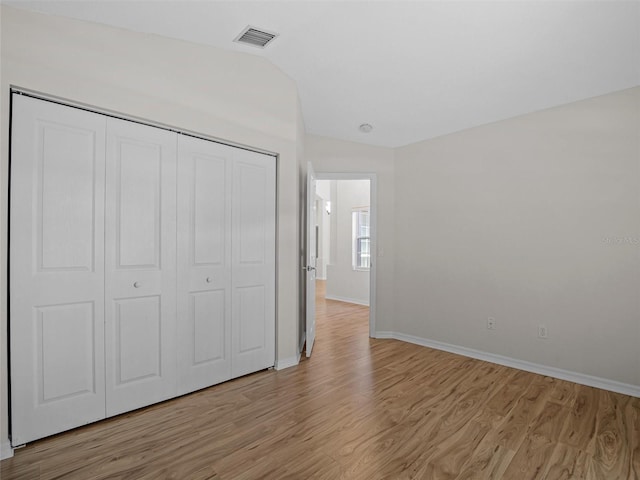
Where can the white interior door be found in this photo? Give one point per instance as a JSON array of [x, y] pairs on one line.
[[253, 261], [311, 258], [140, 282], [56, 268], [204, 263]]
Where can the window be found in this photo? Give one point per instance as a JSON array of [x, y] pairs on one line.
[[361, 258]]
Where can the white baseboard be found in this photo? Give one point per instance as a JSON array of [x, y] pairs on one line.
[[348, 300], [287, 362], [576, 377], [5, 450]]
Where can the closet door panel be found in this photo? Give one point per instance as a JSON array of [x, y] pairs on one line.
[[251, 318], [204, 263], [207, 317], [65, 349], [138, 204], [253, 262], [56, 268], [140, 266], [208, 208], [66, 190], [138, 322]]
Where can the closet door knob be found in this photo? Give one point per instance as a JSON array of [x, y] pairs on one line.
[[136, 284], [209, 279]]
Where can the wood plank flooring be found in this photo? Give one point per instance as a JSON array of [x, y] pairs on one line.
[[358, 409]]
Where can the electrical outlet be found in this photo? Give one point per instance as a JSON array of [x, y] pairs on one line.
[[542, 331], [491, 323]]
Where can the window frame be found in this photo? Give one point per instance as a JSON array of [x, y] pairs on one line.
[[356, 238]]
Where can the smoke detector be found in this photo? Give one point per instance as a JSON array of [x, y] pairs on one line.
[[365, 128], [256, 37]]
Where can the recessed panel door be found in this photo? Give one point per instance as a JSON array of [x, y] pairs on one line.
[[140, 306], [204, 263], [253, 262], [56, 268]]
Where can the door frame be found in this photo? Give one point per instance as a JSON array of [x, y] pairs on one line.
[[373, 215]]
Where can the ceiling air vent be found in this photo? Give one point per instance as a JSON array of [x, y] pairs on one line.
[[257, 38]]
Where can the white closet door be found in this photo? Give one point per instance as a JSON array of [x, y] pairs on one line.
[[253, 262], [204, 263], [140, 251], [57, 268]]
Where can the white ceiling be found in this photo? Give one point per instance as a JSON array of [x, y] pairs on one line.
[[414, 70]]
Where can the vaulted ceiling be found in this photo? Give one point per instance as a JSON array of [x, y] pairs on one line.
[[412, 69]]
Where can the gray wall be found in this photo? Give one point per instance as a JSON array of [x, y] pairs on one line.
[[532, 220]]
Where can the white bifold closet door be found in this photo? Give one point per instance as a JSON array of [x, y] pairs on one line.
[[140, 264], [204, 263], [57, 268], [253, 262], [226, 262]]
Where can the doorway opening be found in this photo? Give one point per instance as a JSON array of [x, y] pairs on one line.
[[344, 241], [343, 233]]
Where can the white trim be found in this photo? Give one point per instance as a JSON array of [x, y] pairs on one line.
[[373, 212], [287, 362], [576, 377], [345, 299], [5, 450]]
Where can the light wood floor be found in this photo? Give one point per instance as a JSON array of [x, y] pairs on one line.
[[358, 409]]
